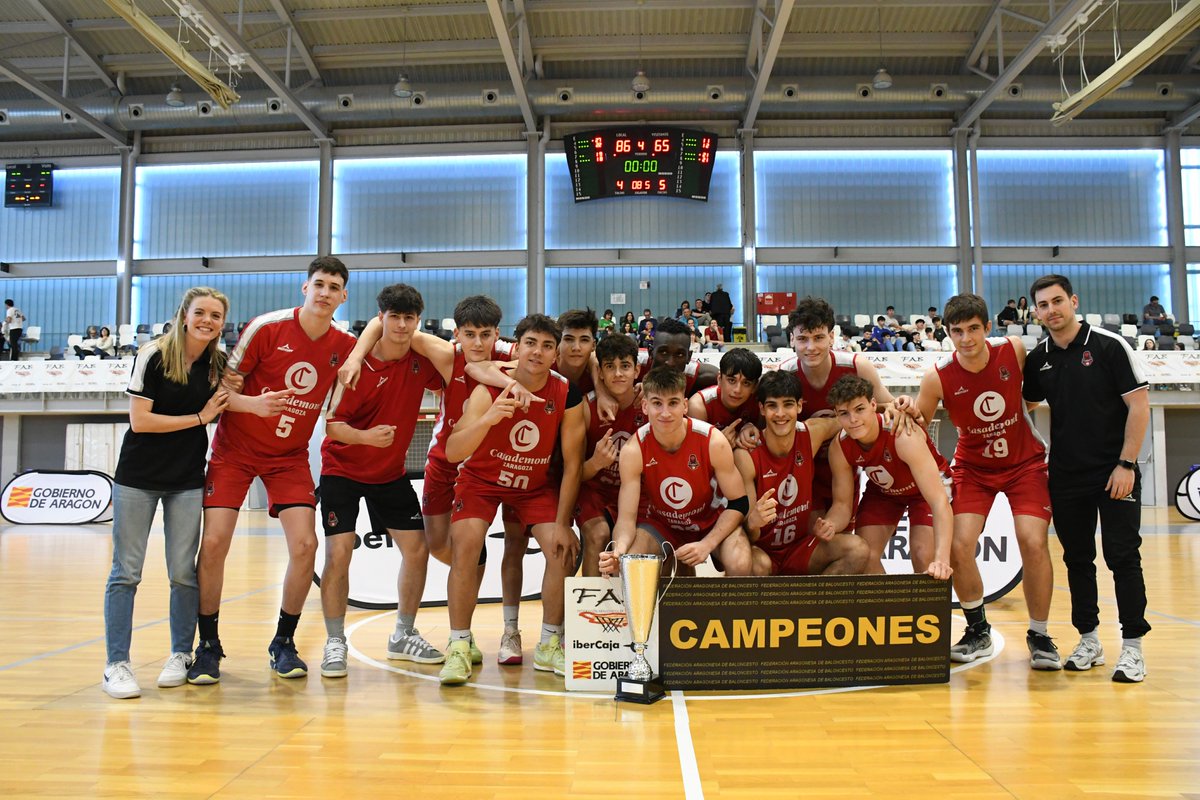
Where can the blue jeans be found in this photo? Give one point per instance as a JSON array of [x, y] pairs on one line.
[[133, 513]]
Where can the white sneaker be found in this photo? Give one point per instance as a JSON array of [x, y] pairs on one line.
[[1087, 654], [510, 648], [119, 681], [1131, 666], [174, 672]]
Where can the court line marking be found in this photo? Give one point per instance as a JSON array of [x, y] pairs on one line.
[[998, 643], [77, 645], [693, 789]]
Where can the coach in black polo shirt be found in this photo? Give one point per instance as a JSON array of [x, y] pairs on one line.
[[1099, 407]]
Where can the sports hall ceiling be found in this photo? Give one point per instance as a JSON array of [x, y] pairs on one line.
[[570, 63]]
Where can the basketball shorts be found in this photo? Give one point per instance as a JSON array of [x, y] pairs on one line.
[[392, 506], [437, 496], [877, 508], [476, 500], [792, 559], [1026, 486], [288, 480]]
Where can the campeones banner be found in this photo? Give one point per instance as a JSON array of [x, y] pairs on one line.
[[804, 632]]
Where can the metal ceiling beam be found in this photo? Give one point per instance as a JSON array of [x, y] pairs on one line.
[[88, 56], [1184, 118], [500, 23], [1058, 23], [754, 50], [63, 104], [981, 39], [783, 10], [524, 38], [302, 47], [231, 37]]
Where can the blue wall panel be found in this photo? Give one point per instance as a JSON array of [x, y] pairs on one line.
[[577, 287], [62, 306], [156, 297], [812, 199], [865, 289], [1102, 288], [1072, 197], [81, 226], [643, 221], [196, 210], [435, 204]]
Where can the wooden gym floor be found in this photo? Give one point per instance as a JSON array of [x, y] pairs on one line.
[[997, 730]]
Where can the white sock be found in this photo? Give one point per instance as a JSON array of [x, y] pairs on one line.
[[1136, 644], [511, 614], [460, 636], [551, 630], [1039, 626], [1093, 634]]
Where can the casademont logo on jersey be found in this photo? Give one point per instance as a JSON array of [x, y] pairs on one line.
[[880, 477], [789, 490], [675, 492], [301, 377], [524, 436], [989, 406]]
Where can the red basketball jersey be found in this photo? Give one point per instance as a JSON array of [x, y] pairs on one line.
[[455, 396], [516, 453], [274, 353], [815, 402], [884, 468], [994, 431], [607, 482], [678, 489], [388, 393], [721, 416], [791, 476]]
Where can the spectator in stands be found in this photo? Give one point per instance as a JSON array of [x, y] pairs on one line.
[[916, 344], [890, 315], [697, 336], [714, 337], [647, 319], [606, 324], [1149, 344], [931, 312], [88, 346], [630, 319], [939, 332], [14, 327], [846, 343], [646, 334], [869, 343], [702, 316], [720, 305], [884, 335], [1007, 315], [1151, 312], [1023, 314], [106, 344], [628, 330], [685, 308]]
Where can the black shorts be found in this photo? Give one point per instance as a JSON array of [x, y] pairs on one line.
[[392, 506]]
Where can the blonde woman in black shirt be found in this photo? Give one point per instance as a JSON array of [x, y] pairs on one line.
[[174, 393]]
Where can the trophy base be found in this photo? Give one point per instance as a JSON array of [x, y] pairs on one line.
[[644, 692]]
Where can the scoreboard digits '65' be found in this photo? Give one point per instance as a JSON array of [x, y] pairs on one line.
[[623, 162]]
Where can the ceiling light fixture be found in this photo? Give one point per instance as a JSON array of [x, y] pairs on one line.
[[403, 88], [641, 83], [882, 79], [175, 96]]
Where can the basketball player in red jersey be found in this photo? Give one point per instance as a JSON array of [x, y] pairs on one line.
[[819, 367], [732, 401], [601, 486], [905, 472], [670, 473], [368, 431], [998, 451], [506, 453], [468, 362], [289, 361], [788, 538], [673, 348]]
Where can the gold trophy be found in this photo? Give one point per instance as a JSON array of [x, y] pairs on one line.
[[639, 579]]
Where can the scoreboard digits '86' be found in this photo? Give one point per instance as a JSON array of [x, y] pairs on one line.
[[623, 162]]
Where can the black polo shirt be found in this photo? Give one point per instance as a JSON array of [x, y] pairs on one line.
[[1085, 384], [166, 461]]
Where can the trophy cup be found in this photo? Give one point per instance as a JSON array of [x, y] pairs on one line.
[[639, 579]]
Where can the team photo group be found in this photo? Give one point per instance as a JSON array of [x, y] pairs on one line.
[[593, 447]]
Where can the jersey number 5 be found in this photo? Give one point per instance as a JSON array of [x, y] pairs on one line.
[[285, 426]]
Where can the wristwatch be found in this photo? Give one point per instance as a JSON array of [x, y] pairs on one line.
[[1130, 465]]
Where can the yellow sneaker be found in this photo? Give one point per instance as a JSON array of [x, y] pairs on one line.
[[457, 668], [476, 653], [549, 656]]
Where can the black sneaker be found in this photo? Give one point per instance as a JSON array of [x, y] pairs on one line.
[[285, 660], [206, 668], [976, 642], [1043, 654]]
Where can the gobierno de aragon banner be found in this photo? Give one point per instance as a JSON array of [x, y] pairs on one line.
[[57, 497]]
